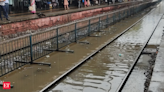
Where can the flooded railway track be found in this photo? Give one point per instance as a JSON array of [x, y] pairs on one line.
[[21, 51], [109, 67], [24, 51]]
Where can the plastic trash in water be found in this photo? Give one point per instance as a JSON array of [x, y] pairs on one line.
[[68, 49], [120, 55], [1, 82], [47, 56]]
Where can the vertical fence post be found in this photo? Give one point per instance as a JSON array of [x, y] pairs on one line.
[[133, 9], [89, 27], [99, 23], [57, 38], [130, 11], [119, 16], [113, 18], [124, 13], [75, 32], [127, 13], [1, 66], [107, 20], [31, 52]]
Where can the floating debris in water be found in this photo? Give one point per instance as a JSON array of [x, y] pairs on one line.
[[120, 55], [1, 82], [47, 56]]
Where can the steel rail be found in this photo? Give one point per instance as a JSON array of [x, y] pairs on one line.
[[136, 60], [88, 57]]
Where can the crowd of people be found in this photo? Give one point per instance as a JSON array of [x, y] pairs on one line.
[[4, 7], [87, 3], [79, 3]]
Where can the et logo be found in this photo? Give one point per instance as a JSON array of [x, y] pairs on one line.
[[6, 85]]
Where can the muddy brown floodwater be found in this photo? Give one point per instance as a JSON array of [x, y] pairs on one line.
[[106, 70]]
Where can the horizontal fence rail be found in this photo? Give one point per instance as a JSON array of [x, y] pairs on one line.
[[18, 52]]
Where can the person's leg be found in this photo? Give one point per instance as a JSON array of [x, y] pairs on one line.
[[0, 12], [91, 2], [4, 12], [78, 4], [69, 3], [7, 7], [65, 7], [57, 4]]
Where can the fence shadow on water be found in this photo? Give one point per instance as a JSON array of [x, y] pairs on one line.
[[18, 52]]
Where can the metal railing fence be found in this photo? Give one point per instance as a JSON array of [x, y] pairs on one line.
[[18, 52]]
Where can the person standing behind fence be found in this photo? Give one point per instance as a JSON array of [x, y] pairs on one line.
[[113, 1], [69, 3], [85, 3], [3, 8], [33, 6], [79, 3], [88, 3], [55, 3], [66, 4], [7, 6], [91, 2]]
